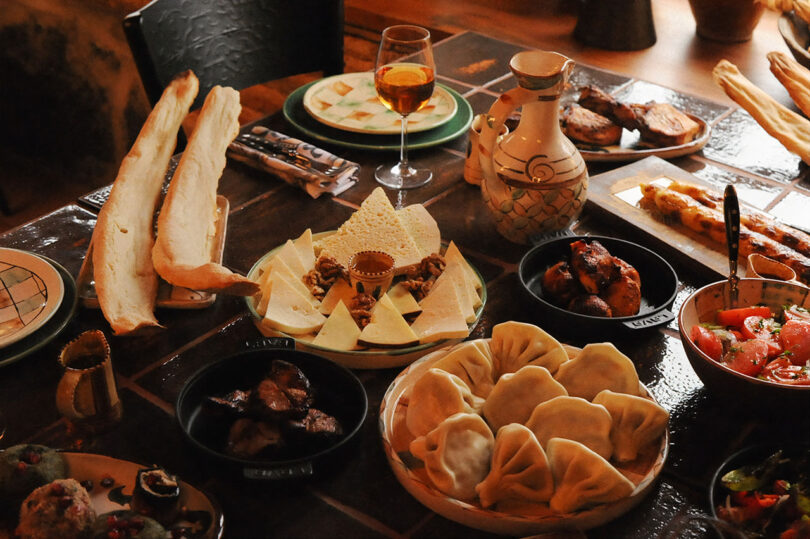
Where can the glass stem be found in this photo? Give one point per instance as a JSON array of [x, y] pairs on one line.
[[403, 145]]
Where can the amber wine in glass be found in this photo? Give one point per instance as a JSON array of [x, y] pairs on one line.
[[404, 78]]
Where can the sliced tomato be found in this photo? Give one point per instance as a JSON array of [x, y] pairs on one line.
[[781, 370], [765, 329], [795, 336], [747, 357], [709, 343], [794, 312], [736, 317]]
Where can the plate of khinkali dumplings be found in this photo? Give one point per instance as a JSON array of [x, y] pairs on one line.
[[519, 434]]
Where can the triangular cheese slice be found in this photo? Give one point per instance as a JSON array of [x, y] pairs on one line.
[[442, 316], [374, 227], [422, 227], [387, 328], [340, 331], [289, 254], [290, 311], [453, 253], [281, 270], [454, 273], [403, 300], [340, 290], [303, 244]]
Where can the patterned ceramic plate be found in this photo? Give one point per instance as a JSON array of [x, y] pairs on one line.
[[202, 519], [371, 358], [31, 292], [521, 519], [349, 102]]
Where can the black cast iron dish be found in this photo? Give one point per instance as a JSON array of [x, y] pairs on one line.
[[339, 393], [659, 285]]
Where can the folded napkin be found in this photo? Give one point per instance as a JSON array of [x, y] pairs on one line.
[[294, 161]]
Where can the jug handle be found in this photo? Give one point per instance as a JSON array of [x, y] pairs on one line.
[[494, 120], [66, 394]]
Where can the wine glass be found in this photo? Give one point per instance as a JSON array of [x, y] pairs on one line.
[[404, 77]]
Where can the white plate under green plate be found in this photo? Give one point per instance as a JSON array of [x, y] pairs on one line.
[[356, 359], [31, 291], [203, 516], [527, 519], [349, 101], [299, 118]]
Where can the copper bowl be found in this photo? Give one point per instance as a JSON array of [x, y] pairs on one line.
[[796, 35], [702, 305]]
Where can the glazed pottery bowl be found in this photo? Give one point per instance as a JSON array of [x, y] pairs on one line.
[[702, 305], [659, 285], [796, 35]]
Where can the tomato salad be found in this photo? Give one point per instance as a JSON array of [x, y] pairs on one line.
[[756, 342]]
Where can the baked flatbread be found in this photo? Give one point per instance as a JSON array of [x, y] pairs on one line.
[[187, 222], [125, 280], [786, 126]]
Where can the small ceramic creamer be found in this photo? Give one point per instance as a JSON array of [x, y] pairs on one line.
[[535, 180]]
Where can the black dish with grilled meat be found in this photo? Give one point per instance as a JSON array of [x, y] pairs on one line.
[[276, 413], [572, 308]]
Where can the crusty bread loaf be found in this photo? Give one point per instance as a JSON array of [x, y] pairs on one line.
[[182, 254], [374, 227], [422, 227], [126, 283]]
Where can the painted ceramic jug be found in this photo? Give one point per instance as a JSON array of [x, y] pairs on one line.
[[535, 180]]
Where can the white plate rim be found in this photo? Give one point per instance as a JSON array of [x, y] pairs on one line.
[[490, 520], [312, 111], [53, 284]]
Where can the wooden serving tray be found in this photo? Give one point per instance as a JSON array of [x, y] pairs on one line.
[[170, 297], [616, 194]]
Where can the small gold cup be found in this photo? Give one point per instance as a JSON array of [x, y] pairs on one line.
[[371, 272]]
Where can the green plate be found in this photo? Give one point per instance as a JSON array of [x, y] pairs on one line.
[[295, 113]]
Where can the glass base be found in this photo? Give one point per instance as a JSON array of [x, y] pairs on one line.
[[398, 177]]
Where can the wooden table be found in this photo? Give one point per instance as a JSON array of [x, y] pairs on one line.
[[362, 498]]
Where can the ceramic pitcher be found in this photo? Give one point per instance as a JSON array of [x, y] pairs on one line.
[[535, 180]]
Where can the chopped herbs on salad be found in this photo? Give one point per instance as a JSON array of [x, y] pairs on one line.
[[756, 342]]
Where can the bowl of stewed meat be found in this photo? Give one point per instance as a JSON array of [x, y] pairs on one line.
[[758, 346]]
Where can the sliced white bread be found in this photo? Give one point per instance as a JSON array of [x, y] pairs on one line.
[[453, 253], [290, 311], [340, 331], [422, 228], [403, 300], [442, 315], [375, 226], [455, 275], [306, 252], [387, 328], [341, 290]]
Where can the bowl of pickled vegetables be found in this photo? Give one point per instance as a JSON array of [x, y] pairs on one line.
[[759, 345], [764, 491]]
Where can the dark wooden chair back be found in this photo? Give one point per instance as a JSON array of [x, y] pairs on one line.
[[237, 43]]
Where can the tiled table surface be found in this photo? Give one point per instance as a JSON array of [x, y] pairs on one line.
[[361, 498]]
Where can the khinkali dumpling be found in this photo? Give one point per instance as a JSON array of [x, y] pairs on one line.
[[582, 478], [519, 471], [435, 396], [515, 344], [456, 454], [636, 422], [572, 418], [471, 361], [517, 393], [599, 366]]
